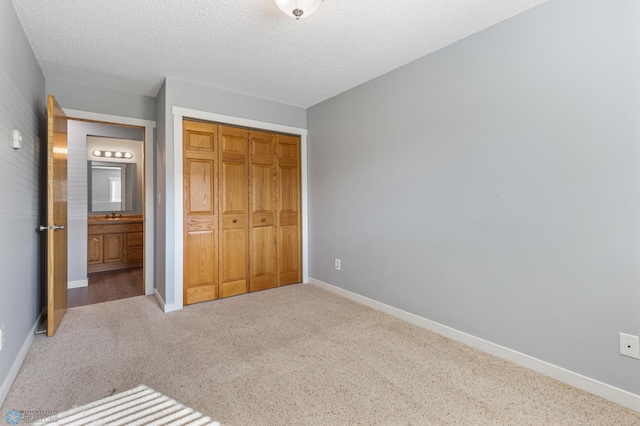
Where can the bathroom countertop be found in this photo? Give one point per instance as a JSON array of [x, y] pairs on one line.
[[102, 220]]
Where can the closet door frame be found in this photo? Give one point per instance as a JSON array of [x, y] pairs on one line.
[[179, 114]]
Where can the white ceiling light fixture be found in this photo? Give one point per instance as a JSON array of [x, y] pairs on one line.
[[298, 8]]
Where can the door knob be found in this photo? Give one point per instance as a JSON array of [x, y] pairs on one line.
[[42, 228], [58, 227]]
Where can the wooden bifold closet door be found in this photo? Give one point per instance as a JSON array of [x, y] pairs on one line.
[[241, 210], [289, 230], [200, 234], [264, 268], [234, 211]]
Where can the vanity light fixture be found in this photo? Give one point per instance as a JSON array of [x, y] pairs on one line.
[[298, 8], [114, 154]]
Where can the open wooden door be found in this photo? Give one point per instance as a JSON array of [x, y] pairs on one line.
[[56, 215]]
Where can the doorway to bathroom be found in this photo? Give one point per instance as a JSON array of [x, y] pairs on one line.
[[106, 212]]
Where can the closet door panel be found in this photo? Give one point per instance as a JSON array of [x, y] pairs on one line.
[[263, 258], [289, 190], [233, 254], [263, 189], [200, 267], [234, 211], [234, 188], [199, 137], [200, 244], [289, 244], [263, 199], [289, 195], [199, 188]]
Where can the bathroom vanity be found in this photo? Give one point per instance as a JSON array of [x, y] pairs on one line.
[[114, 242]]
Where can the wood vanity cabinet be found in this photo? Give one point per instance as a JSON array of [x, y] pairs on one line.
[[113, 245]]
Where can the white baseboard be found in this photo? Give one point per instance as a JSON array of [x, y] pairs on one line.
[[166, 308], [603, 390], [78, 283], [17, 363]]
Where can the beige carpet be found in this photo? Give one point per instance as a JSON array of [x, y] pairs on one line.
[[291, 356]]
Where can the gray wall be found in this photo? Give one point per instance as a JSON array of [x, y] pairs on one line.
[[493, 186], [188, 95], [103, 101], [22, 107], [77, 205]]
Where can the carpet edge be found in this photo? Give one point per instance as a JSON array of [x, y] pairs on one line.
[[611, 393]]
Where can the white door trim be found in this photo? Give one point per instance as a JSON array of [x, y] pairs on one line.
[[149, 126], [179, 114]]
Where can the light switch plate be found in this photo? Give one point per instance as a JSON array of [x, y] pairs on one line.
[[17, 139]]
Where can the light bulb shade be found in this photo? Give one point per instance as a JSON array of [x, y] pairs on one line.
[[298, 8]]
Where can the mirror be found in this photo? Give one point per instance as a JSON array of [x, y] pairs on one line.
[[111, 186]]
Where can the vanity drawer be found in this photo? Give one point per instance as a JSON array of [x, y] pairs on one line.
[[113, 228], [134, 253], [134, 239]]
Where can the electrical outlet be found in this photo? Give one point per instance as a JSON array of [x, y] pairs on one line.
[[337, 264], [630, 345]]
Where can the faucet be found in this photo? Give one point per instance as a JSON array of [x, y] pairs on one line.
[[113, 215]]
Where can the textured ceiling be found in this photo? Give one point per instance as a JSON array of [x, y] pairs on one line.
[[245, 46]]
